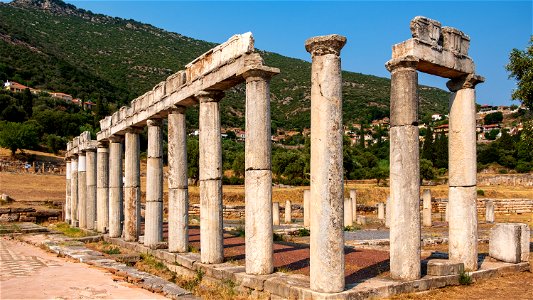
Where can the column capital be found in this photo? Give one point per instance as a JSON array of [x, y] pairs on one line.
[[326, 44], [154, 122], [256, 73], [464, 82], [90, 150], [209, 96], [407, 62], [135, 130], [115, 139], [102, 144], [177, 109]]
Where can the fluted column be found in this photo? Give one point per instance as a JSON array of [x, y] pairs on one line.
[[82, 190], [462, 163], [115, 187], [153, 230], [132, 185], [102, 187], [74, 191], [327, 185], [178, 189], [258, 174], [68, 191], [211, 235], [90, 210]]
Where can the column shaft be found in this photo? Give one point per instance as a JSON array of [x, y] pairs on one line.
[[178, 191], [288, 212], [153, 231], [115, 188], [82, 190], [102, 188], [426, 208], [132, 186], [327, 191], [307, 207], [381, 211], [74, 192], [489, 211], [91, 189], [275, 213], [353, 196], [348, 212], [68, 192], [211, 235]]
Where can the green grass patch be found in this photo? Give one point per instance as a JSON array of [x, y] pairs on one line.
[[111, 250], [303, 232], [152, 262], [352, 228], [465, 279], [67, 230]]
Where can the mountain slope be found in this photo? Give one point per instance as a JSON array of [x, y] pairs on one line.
[[91, 56]]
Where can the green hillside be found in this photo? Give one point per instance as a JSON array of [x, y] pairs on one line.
[[51, 45]]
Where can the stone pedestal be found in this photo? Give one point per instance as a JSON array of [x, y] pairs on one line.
[[327, 191], [288, 212], [275, 213], [307, 207], [426, 208], [353, 196], [115, 187], [178, 191], [261, 213], [211, 235], [82, 190], [74, 191], [132, 185], [102, 188], [489, 211], [462, 171], [153, 230], [348, 212], [381, 211], [68, 192], [91, 189], [404, 172]]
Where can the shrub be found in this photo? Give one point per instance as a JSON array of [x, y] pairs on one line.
[[480, 192], [465, 278]]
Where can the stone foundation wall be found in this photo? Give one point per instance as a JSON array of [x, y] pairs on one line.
[[501, 206], [506, 179], [28, 214]]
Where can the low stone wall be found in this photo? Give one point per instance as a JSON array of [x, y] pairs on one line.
[[506, 179], [501, 206], [28, 214]]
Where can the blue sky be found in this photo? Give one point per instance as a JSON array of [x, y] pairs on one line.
[[371, 28]]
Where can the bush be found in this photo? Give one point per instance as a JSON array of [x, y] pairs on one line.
[[465, 279], [480, 192]]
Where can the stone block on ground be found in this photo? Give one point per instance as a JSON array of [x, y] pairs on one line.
[[444, 267], [505, 242]]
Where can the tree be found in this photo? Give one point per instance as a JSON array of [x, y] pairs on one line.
[[521, 68], [428, 148], [16, 136], [426, 170], [493, 118], [27, 102], [193, 157]]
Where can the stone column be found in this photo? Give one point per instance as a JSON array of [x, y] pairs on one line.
[[426, 208], [102, 187], [132, 185], [462, 171], [82, 190], [74, 191], [489, 211], [288, 212], [348, 212], [153, 230], [210, 146], [381, 211], [178, 190], [306, 206], [387, 212], [447, 211], [261, 213], [353, 196], [275, 214], [90, 201], [68, 192], [115, 187], [404, 171], [327, 191]]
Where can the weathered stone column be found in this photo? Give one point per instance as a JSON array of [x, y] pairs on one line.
[[261, 213], [306, 207], [327, 191], [426, 208], [68, 191], [102, 187], [74, 191], [348, 212], [178, 190], [275, 214], [353, 196], [91, 188], [132, 185], [82, 190], [288, 212], [115, 187], [489, 211], [210, 144], [387, 212], [381, 211], [447, 211], [462, 171], [404, 171], [153, 230]]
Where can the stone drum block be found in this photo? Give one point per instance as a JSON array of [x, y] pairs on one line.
[[443, 267], [505, 242]]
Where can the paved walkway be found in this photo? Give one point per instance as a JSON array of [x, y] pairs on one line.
[[28, 272]]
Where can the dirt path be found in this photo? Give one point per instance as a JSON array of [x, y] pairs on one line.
[[28, 272]]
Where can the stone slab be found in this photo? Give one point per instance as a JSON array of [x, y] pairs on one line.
[[443, 267], [505, 242]]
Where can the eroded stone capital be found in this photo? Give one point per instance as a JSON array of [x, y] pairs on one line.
[[116, 139], [326, 44], [255, 73], [103, 144], [408, 62], [209, 96], [177, 109], [465, 82], [154, 122], [135, 130]]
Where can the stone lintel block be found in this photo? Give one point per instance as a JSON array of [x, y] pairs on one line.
[[440, 62], [174, 82], [105, 123], [427, 30], [443, 267], [505, 242], [525, 236], [123, 111], [455, 40], [159, 91], [115, 118]]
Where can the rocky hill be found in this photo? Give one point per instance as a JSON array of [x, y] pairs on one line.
[[52, 45]]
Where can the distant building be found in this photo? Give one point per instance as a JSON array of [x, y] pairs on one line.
[[88, 105], [436, 117], [14, 86], [63, 96]]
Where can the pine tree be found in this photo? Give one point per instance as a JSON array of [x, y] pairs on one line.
[[428, 149]]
